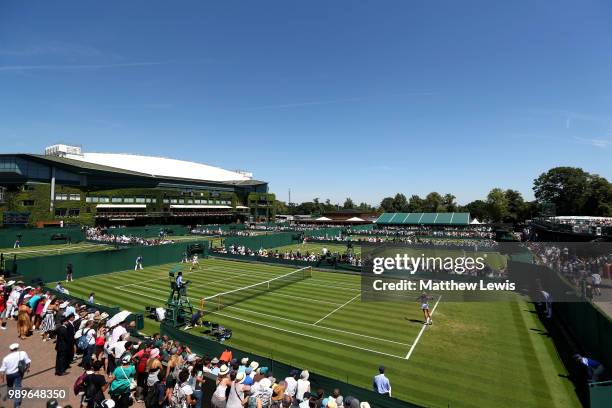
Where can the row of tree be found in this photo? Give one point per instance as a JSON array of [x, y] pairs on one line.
[[559, 191]]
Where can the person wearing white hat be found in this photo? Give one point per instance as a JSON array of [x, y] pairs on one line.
[[243, 363], [303, 385], [14, 367], [218, 399], [237, 396]]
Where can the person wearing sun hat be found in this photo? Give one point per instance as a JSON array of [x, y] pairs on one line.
[[218, 399], [303, 385], [238, 392], [243, 364]]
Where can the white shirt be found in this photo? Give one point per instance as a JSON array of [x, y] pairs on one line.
[[118, 348], [91, 335], [117, 333], [11, 361], [302, 387], [291, 386]]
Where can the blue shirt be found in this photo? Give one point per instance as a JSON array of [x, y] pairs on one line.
[[33, 301], [382, 384]]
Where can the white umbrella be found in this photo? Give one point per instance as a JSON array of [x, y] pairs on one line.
[[118, 318]]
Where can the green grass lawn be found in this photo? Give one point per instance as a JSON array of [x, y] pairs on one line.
[[475, 354], [47, 250]]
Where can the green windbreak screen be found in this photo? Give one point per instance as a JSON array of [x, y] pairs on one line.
[[53, 268], [39, 236]]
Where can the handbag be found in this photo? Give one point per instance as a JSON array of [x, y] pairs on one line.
[[133, 383]]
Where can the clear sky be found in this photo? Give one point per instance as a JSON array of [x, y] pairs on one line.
[[328, 98]]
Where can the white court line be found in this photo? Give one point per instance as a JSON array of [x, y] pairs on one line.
[[307, 335], [422, 330], [280, 329], [61, 249], [338, 308], [322, 327]]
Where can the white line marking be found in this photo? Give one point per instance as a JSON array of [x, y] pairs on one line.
[[61, 249], [338, 308], [322, 327], [306, 335], [422, 330]]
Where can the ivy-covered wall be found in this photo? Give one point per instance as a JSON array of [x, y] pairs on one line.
[[35, 198]]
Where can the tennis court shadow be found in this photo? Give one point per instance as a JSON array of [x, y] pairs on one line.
[[540, 332], [415, 321]]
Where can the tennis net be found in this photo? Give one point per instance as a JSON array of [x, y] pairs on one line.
[[224, 299]]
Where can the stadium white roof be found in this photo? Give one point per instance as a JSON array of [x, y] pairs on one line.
[[160, 166]]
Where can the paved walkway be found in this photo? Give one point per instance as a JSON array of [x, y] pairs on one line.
[[42, 369]]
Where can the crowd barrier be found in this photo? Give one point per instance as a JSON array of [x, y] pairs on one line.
[[53, 268], [149, 231], [296, 263], [257, 242], [39, 236], [203, 346]]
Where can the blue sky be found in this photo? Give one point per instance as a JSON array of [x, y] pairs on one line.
[[330, 99]]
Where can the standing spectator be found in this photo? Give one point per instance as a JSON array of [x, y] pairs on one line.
[[86, 342], [121, 380], [69, 272], [62, 346], [138, 265], [24, 324], [303, 385], [237, 397], [91, 298], [94, 385], [13, 369], [291, 381], [223, 381], [594, 367], [17, 242], [182, 392], [381, 382]]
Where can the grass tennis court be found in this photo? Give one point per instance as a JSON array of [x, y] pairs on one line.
[[58, 249], [475, 354]]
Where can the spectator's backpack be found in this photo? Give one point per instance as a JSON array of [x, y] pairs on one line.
[[78, 386], [83, 342], [142, 363]]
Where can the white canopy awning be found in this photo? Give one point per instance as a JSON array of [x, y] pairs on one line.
[[241, 207], [323, 219], [199, 206], [121, 206], [355, 219], [475, 221]]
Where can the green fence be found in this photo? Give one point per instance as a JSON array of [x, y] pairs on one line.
[[149, 231], [53, 268], [323, 264], [600, 394], [39, 236], [203, 346], [325, 232], [257, 242]]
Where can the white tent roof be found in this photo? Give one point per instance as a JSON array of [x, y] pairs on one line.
[[475, 221], [160, 166], [323, 219], [355, 219]]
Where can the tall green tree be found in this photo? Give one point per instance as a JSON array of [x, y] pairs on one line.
[[387, 204], [565, 187], [448, 201], [497, 205], [433, 203], [415, 204], [400, 203], [516, 206], [478, 209], [348, 204]]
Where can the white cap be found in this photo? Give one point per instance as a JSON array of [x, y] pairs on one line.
[[14, 346]]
